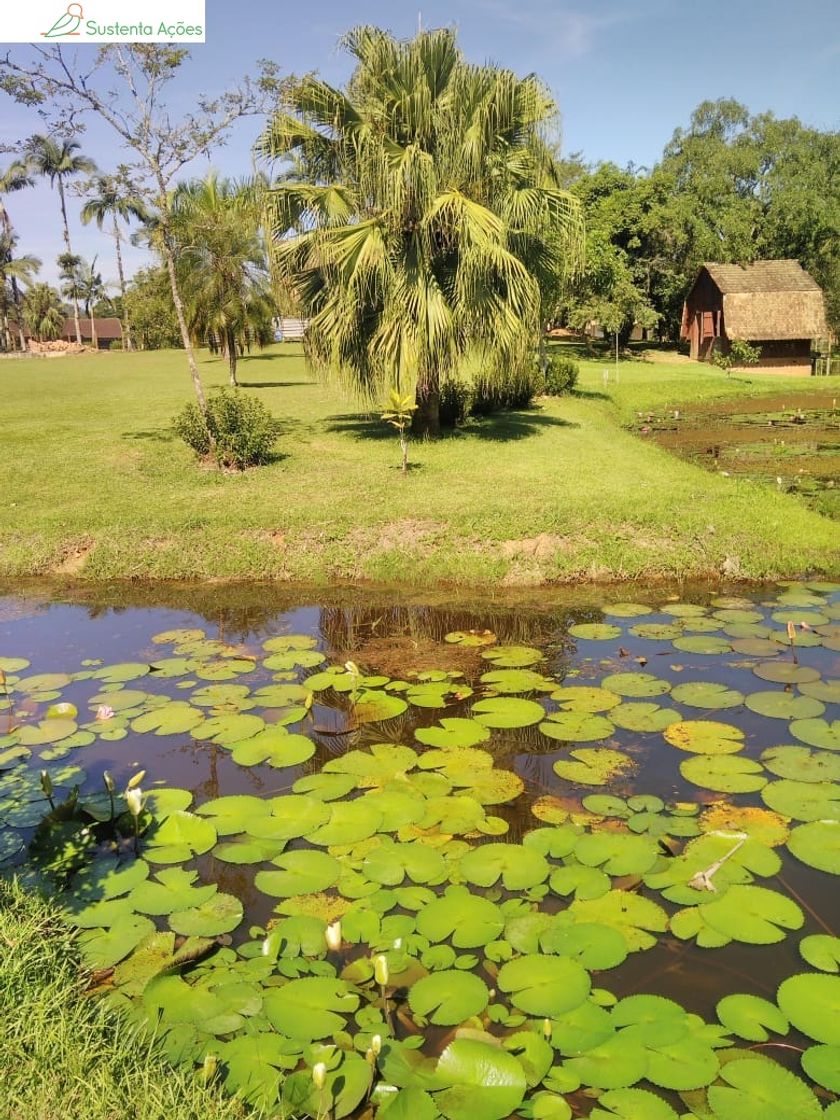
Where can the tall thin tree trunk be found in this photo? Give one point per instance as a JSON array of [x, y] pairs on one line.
[[92, 329], [426, 420], [231, 349], [126, 322], [19, 313], [69, 253]]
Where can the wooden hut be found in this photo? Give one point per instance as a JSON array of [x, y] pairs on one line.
[[107, 331], [774, 305]]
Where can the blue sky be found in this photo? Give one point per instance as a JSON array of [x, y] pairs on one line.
[[624, 74]]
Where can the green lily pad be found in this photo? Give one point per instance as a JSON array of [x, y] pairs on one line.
[[595, 631], [618, 853], [512, 657], [635, 917], [821, 951], [448, 997], [243, 850], [582, 698], [372, 706], [453, 732], [577, 727], [221, 913], [645, 717], [657, 631], [751, 1017], [822, 1064], [784, 705], [470, 639], [618, 1062], [233, 814], [811, 1002], [707, 694], [45, 731], [9, 665], [119, 674], [103, 948], [817, 844], [594, 946], [516, 680], [291, 816], [175, 718], [228, 729], [311, 1008], [632, 1104], [484, 1082], [754, 915], [817, 733], [802, 764], [171, 889], [274, 746], [391, 863], [179, 837], [518, 867], [759, 1088], [702, 644], [724, 773], [627, 610], [233, 697], [785, 672], [349, 822], [583, 882], [828, 691], [303, 872], [507, 711], [593, 766], [468, 919], [105, 878], [636, 686], [544, 986], [805, 801], [700, 736]]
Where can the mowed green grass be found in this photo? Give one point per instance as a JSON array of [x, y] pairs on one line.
[[95, 484]]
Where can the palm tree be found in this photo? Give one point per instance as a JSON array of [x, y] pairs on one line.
[[14, 272], [16, 177], [419, 218], [111, 200], [222, 263], [83, 283], [58, 160], [43, 312]]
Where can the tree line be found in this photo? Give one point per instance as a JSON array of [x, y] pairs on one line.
[[421, 216]]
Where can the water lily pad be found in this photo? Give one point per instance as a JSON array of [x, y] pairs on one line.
[[618, 1062], [349, 822], [470, 639], [751, 1017], [179, 837], [593, 766], [453, 732], [391, 863], [627, 610], [760, 1088], [448, 997], [373, 705], [45, 731], [274, 746], [243, 850], [632, 1104], [759, 824], [9, 665], [805, 801], [635, 917], [515, 680], [175, 718], [751, 914], [703, 645], [233, 697], [303, 872], [103, 948], [582, 698], [636, 686], [785, 672], [802, 764], [618, 853], [817, 733], [291, 816], [645, 717], [227, 729], [544, 986], [468, 919], [822, 951], [582, 882], [595, 631], [701, 736], [828, 691], [221, 913], [724, 773], [594, 946], [485, 1082], [707, 694], [508, 711], [822, 1064], [518, 867], [119, 674], [784, 705], [657, 631], [234, 813], [817, 844], [811, 1002], [310, 1008], [577, 727]]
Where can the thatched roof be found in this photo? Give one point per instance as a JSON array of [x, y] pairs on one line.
[[769, 300], [105, 328]]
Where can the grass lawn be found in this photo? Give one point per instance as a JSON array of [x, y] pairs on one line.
[[67, 1057], [97, 486]]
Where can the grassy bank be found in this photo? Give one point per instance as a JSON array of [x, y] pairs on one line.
[[97, 486], [66, 1057]]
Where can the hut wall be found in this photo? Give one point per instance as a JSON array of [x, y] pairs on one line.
[[702, 319]]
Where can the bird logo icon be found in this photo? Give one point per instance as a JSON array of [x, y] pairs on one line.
[[66, 24]]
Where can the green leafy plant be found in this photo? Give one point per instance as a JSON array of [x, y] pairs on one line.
[[238, 430], [560, 376], [401, 409], [740, 353]]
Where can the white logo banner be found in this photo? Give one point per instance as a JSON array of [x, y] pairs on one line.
[[72, 22]]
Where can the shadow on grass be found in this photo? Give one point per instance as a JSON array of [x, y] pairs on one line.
[[154, 435], [589, 395], [275, 384], [501, 427]]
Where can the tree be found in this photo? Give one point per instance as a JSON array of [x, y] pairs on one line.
[[137, 113], [418, 219], [16, 177], [43, 312], [14, 272], [112, 199], [148, 300], [58, 160], [84, 285], [222, 263]]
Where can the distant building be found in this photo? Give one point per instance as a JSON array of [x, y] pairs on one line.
[[107, 331], [289, 330], [774, 305]]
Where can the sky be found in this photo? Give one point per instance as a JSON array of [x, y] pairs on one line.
[[625, 75]]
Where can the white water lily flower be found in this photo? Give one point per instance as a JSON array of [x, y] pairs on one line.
[[319, 1075], [104, 712], [332, 936], [134, 800], [380, 969]]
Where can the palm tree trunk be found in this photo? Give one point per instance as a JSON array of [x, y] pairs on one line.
[[70, 253], [92, 329], [182, 325], [19, 313], [426, 422], [231, 349], [127, 343]]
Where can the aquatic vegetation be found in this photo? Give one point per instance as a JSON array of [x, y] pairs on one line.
[[421, 895]]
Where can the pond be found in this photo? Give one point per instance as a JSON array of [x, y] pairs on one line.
[[789, 440], [361, 855]]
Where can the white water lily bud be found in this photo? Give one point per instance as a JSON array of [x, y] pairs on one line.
[[134, 800], [332, 936], [398, 943], [380, 969], [352, 668], [109, 781], [46, 783], [376, 1044], [136, 779], [319, 1075], [370, 1057], [547, 1028]]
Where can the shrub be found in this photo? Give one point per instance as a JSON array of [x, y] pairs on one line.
[[242, 428], [740, 354], [490, 397], [560, 376], [456, 399]]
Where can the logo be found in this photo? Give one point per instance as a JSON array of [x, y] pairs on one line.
[[67, 24]]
